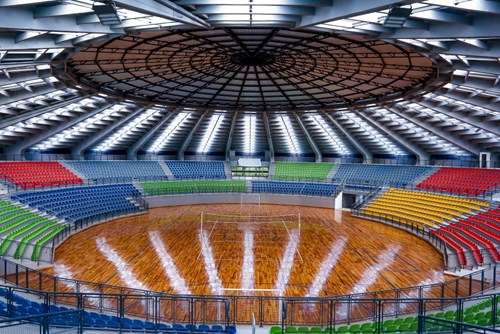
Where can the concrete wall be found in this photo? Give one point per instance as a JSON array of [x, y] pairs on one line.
[[184, 199]]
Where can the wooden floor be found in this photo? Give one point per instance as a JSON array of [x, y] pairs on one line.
[[335, 254]]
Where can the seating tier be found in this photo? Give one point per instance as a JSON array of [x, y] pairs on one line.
[[294, 188], [119, 170], [469, 181], [197, 169], [423, 208], [182, 187], [83, 203], [37, 174], [306, 171], [380, 174]]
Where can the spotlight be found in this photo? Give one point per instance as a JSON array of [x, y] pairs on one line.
[[397, 17], [106, 12]]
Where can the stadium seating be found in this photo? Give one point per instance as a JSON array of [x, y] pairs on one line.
[[307, 171], [477, 234], [197, 169], [380, 174], [23, 307], [420, 207], [83, 203], [37, 174], [119, 170], [471, 181], [20, 227], [479, 313], [182, 187], [294, 188]]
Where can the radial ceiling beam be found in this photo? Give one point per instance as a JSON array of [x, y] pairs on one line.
[[493, 127], [79, 150], [230, 136], [367, 155], [482, 26], [310, 141], [20, 147], [476, 83], [21, 18], [163, 8], [38, 112], [132, 151], [267, 127], [423, 156], [476, 100], [189, 137], [307, 3], [463, 144], [341, 9]]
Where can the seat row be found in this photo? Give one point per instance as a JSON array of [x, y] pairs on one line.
[[84, 203], [183, 187], [144, 170], [294, 188], [301, 171], [25, 307], [37, 174], [197, 169]]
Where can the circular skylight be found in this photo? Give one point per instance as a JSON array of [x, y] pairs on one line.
[[262, 68]]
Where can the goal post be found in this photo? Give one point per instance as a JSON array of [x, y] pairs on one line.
[[277, 229]]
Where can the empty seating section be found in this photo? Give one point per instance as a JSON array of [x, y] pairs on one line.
[[21, 230], [182, 187], [23, 307], [83, 203], [420, 207], [308, 171], [37, 174], [380, 174], [478, 235], [294, 188], [119, 170], [471, 181], [197, 169]]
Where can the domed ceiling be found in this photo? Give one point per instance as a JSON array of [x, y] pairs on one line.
[[312, 79], [251, 68]]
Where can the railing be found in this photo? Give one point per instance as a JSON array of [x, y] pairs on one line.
[[430, 324], [42, 323], [267, 309], [364, 199]]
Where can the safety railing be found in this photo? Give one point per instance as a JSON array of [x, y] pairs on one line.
[[267, 309]]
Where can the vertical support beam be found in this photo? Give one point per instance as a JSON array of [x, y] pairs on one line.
[[185, 144], [422, 156], [20, 147], [79, 149], [315, 148], [367, 155], [132, 151], [230, 137], [268, 135]]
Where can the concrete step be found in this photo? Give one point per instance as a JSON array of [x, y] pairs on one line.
[[166, 170]]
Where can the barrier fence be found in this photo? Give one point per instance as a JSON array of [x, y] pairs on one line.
[[268, 309]]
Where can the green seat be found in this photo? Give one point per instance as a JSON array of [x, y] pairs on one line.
[[409, 320], [399, 321], [303, 329], [291, 329], [483, 322], [355, 328], [275, 329], [469, 317], [479, 316], [388, 323], [391, 328], [316, 330], [342, 329], [367, 325], [439, 315]]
